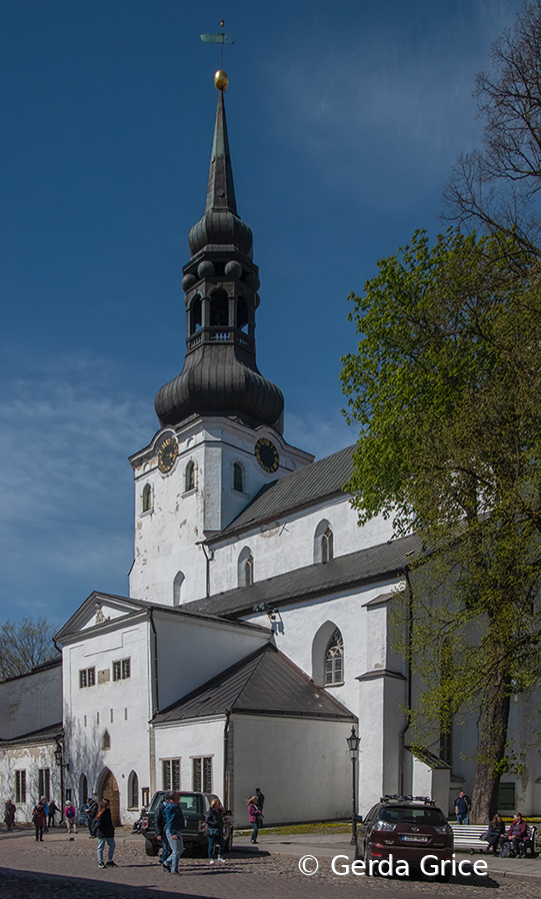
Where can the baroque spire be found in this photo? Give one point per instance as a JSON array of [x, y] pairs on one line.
[[220, 375]]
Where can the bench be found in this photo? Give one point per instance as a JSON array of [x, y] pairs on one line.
[[466, 836]]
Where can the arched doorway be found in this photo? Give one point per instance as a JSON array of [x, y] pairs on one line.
[[109, 790], [83, 790]]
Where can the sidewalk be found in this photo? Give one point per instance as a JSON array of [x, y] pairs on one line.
[[329, 845]]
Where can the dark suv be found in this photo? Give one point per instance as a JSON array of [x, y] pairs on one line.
[[194, 806], [406, 828]]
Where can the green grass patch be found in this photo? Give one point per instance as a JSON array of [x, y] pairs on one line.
[[320, 827]]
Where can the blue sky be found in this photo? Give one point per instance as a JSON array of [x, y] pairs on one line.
[[344, 121]]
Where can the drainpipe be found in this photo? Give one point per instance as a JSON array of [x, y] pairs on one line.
[[155, 665], [208, 558], [409, 685], [226, 754]]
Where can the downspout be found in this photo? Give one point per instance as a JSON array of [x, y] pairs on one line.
[[155, 665], [409, 685], [208, 558], [226, 758], [57, 647]]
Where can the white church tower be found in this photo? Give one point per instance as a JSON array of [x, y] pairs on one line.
[[221, 421]]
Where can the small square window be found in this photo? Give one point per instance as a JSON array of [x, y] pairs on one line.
[[125, 668], [122, 669], [87, 677], [202, 774]]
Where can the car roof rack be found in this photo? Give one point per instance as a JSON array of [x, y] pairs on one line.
[[407, 798]]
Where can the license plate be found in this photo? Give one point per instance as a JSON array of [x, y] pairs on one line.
[[415, 839]]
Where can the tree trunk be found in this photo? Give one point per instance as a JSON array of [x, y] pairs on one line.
[[491, 751]]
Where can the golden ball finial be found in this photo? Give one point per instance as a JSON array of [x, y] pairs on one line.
[[221, 80]]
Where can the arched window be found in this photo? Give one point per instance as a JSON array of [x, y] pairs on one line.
[[133, 790], [334, 660], [106, 740], [219, 309], [83, 790], [323, 542], [177, 587], [147, 498], [245, 567], [326, 545], [195, 315], [242, 314], [238, 480], [189, 477]]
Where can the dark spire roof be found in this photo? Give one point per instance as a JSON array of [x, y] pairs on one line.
[[220, 375]]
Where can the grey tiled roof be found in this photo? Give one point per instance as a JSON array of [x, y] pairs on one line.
[[264, 683], [376, 562], [43, 735], [316, 482]]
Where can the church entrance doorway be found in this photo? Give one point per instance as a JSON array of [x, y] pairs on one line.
[[109, 790]]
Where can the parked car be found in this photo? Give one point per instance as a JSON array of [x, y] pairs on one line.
[[406, 828], [194, 806]]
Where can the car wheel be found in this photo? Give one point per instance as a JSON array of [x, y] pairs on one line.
[[368, 869], [445, 877], [228, 845], [151, 848]]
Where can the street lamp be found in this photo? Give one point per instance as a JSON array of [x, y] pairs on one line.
[[59, 759], [353, 747]]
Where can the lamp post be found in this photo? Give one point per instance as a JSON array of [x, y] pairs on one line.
[[353, 747], [59, 759]]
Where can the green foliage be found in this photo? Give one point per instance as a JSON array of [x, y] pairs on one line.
[[446, 389]]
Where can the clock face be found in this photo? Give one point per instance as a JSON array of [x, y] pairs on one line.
[[167, 454], [267, 454]]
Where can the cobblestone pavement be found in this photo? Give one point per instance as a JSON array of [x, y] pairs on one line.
[[67, 869]]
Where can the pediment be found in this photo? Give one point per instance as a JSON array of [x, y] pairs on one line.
[[99, 609]]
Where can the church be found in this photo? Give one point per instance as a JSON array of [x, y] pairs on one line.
[[256, 633]]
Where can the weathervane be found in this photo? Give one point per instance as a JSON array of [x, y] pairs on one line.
[[219, 37]]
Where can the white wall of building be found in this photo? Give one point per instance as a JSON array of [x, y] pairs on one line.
[[30, 702], [167, 536], [186, 740], [29, 758], [301, 765], [288, 543]]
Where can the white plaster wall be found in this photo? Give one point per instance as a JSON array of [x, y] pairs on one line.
[[30, 759], [297, 626], [30, 702], [129, 700], [186, 740], [288, 543], [301, 765], [192, 651], [166, 536]]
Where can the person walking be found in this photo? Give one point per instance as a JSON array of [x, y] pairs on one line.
[[9, 815], [462, 808], [260, 799], [254, 816], [215, 831], [161, 836], [174, 825], [52, 809], [39, 819], [71, 819], [105, 832], [91, 813]]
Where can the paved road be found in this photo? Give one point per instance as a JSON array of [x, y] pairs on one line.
[[67, 869]]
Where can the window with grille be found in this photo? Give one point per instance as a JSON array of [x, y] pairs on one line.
[[121, 669], [133, 790], [44, 783], [171, 774], [20, 786], [327, 546], [334, 660], [202, 774], [87, 677]]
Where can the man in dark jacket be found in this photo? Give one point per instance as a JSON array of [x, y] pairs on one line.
[[91, 813], [462, 808], [159, 824], [174, 825], [260, 799]]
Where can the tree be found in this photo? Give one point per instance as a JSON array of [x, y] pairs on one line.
[[25, 645], [497, 187], [446, 388]]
